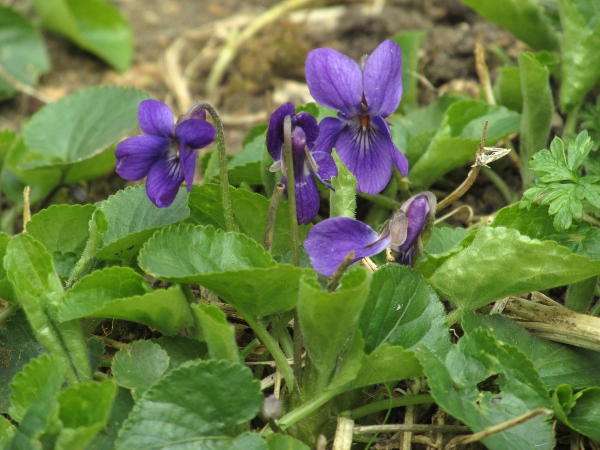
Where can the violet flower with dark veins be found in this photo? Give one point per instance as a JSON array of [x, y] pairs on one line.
[[330, 241], [306, 161], [364, 95], [166, 153]]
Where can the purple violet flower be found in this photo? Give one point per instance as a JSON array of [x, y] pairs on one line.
[[364, 95], [306, 161], [330, 241], [165, 153]]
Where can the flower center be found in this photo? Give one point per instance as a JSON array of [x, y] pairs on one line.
[[364, 119]]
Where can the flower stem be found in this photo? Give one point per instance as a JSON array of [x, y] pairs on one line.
[[382, 200], [291, 187], [271, 216], [263, 335], [230, 224], [394, 402]]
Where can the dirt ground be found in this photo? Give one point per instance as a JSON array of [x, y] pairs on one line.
[[177, 42]]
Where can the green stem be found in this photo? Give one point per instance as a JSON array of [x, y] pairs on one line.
[[500, 185], [382, 200], [307, 408], [394, 402], [572, 121], [230, 224], [248, 349], [579, 295], [7, 312], [288, 160], [263, 335], [453, 317]]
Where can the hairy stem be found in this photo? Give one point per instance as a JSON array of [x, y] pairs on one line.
[[271, 216], [230, 224]]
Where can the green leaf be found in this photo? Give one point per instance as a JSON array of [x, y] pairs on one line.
[[580, 411], [250, 211], [554, 362], [84, 410], [30, 269], [23, 55], [182, 349], [41, 181], [230, 264], [96, 26], [500, 384], [79, 127], [279, 441], [121, 293], [244, 167], [523, 18], [7, 432], [329, 319], [580, 67], [36, 376], [387, 363], [444, 239], [507, 89], [430, 118], [122, 406], [502, 262], [248, 441], [342, 201], [582, 238], [191, 405], [6, 290], [410, 42], [559, 184], [430, 262], [217, 332], [538, 108], [62, 228], [41, 415], [403, 310], [18, 347], [140, 365], [458, 137], [133, 218], [97, 229], [64, 231]]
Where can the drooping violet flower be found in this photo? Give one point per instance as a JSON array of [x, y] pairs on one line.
[[165, 153], [364, 95], [306, 161], [330, 241]]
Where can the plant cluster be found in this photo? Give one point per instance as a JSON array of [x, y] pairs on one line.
[[376, 309]]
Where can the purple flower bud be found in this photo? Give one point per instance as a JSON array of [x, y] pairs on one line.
[[165, 154], [306, 162], [364, 95], [330, 241], [272, 408]]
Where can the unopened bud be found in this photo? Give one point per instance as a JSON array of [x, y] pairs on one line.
[[272, 408]]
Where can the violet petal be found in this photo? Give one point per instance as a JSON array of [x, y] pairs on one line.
[[187, 159], [195, 133], [155, 118], [330, 241], [327, 167], [398, 157], [334, 80], [307, 198], [136, 155], [163, 181], [367, 154], [382, 79], [311, 129], [329, 129], [275, 130], [418, 211]]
